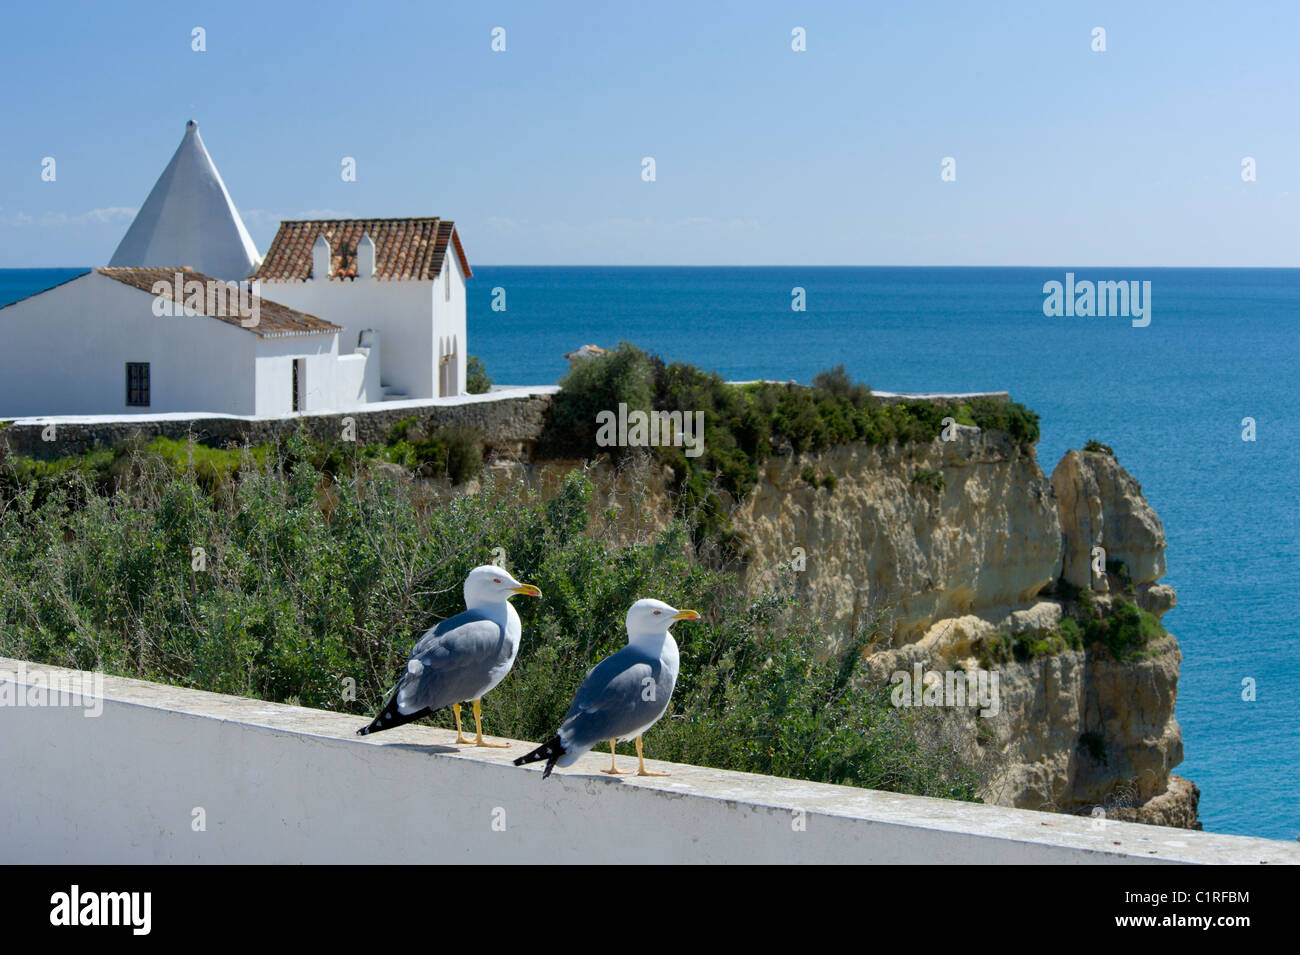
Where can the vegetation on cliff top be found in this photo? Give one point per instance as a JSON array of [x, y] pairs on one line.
[[311, 588], [746, 424]]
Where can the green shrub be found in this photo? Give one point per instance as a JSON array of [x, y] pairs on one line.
[[990, 414], [1000, 647], [477, 381], [401, 430], [1034, 646], [1070, 632], [1124, 632], [930, 479], [464, 446], [837, 383], [993, 650], [1119, 570], [622, 376], [828, 481], [454, 451], [1096, 447], [318, 583]]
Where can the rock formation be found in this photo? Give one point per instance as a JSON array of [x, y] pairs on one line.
[[951, 544]]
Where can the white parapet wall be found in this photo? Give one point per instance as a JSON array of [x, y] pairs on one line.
[[135, 772]]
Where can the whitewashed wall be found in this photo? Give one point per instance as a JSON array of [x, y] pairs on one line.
[[449, 315], [272, 783], [399, 311], [65, 352], [333, 382]]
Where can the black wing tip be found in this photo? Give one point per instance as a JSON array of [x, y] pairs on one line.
[[550, 751], [391, 717]]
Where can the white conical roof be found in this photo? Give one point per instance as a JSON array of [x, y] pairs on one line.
[[189, 219]]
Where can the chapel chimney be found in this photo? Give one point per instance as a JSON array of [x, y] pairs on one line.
[[320, 259]]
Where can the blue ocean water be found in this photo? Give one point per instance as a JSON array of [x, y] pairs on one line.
[[1222, 345]]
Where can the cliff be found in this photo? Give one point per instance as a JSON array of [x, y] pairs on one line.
[[955, 545]]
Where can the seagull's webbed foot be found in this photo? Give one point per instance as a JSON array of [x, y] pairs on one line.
[[640, 762], [613, 764], [478, 730]]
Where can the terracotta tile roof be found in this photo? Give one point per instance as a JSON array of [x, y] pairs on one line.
[[274, 320], [404, 248]]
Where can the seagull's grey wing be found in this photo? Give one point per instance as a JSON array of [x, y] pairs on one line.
[[451, 663], [621, 695]]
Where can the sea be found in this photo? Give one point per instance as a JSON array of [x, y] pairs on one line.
[[1172, 397]]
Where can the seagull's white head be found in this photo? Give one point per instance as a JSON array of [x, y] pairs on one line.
[[491, 584], [649, 618]]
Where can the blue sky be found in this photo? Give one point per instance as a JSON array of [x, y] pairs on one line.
[[764, 156]]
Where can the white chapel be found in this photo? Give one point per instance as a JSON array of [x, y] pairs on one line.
[[188, 317]]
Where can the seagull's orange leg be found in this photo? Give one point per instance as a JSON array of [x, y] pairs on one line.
[[640, 760], [613, 764], [478, 728], [460, 738]]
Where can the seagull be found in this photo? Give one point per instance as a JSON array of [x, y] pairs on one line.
[[461, 658], [623, 695]]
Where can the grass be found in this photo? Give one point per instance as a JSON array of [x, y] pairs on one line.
[[454, 452]]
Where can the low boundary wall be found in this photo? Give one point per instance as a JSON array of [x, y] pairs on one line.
[[163, 774]]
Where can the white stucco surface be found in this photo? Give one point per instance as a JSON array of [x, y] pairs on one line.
[[410, 317], [65, 352], [189, 219], [276, 783]]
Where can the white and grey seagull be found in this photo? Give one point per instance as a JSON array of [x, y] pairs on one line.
[[623, 695], [461, 658]]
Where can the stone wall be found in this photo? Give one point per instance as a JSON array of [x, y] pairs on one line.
[[509, 421]]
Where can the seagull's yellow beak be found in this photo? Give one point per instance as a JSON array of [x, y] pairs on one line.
[[526, 590], [686, 615]]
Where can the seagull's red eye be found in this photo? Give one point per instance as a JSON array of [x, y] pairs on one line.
[[658, 612], [496, 580]]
